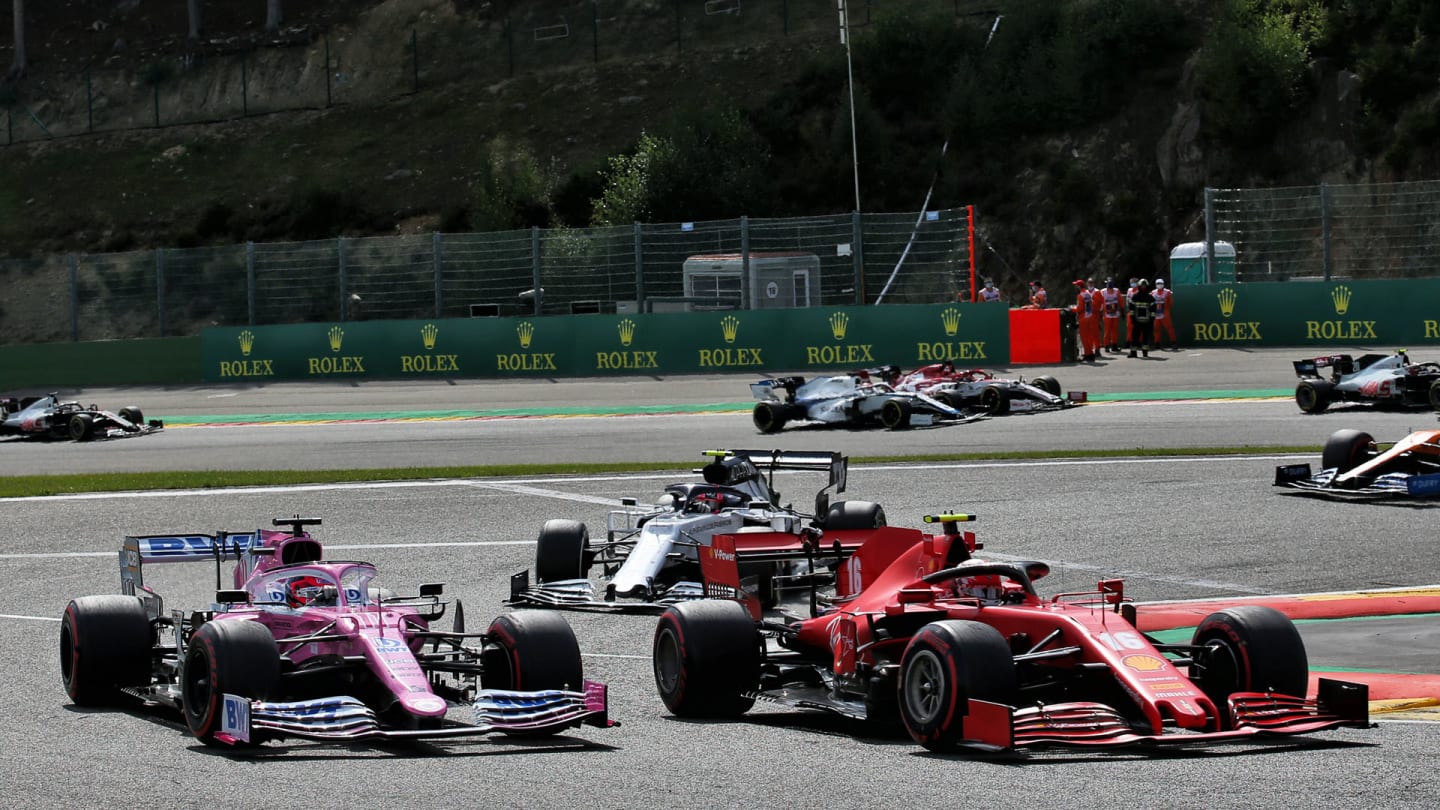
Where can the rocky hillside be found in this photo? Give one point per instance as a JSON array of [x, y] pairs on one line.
[[411, 144]]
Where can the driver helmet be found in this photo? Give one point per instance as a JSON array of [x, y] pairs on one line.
[[304, 590], [984, 587]]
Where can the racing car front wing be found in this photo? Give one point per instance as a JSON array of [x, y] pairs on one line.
[[347, 718], [579, 594], [996, 727]]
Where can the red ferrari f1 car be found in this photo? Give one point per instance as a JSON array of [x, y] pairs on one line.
[[314, 648], [964, 652]]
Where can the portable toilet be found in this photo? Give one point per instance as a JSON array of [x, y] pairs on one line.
[[1187, 264]]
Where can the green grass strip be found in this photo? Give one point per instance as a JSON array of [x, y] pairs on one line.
[[38, 485]]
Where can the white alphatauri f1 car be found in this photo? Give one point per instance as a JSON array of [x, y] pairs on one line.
[[650, 556]]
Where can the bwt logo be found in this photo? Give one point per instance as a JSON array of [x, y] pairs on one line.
[[951, 319], [337, 336], [839, 323], [627, 331], [526, 332], [247, 342], [730, 328], [1340, 296], [428, 334]]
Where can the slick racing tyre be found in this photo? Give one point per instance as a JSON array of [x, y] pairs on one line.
[[945, 665], [706, 656], [230, 656], [560, 550], [105, 644], [895, 414], [769, 417], [1435, 395], [1347, 449], [1313, 396], [1047, 383], [531, 650], [994, 400], [1251, 648], [133, 415], [854, 515], [82, 427]]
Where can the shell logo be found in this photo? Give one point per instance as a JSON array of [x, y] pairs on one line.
[[1143, 663]]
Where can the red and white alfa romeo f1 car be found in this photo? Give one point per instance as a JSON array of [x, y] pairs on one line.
[[965, 652], [313, 648], [978, 389]]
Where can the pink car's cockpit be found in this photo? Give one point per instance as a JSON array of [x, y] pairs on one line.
[[328, 585]]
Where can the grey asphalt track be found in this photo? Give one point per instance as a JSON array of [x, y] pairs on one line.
[[1174, 528]]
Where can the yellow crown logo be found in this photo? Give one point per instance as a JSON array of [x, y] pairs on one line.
[[1227, 299], [428, 333], [730, 328], [336, 336], [1341, 296], [627, 331], [247, 342], [839, 322], [951, 318], [525, 331]]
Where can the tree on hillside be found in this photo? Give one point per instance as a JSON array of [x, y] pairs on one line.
[[274, 15], [17, 67], [192, 7]]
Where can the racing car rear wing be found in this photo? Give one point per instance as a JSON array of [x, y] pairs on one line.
[[834, 463], [154, 549]]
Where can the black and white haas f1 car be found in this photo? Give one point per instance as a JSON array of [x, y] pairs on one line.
[[1377, 379], [48, 417], [302, 646], [651, 555], [858, 399], [964, 652]]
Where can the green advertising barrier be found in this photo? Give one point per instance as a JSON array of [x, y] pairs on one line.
[[149, 361], [590, 345], [1376, 313]]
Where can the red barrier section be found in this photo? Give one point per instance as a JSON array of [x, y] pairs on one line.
[[1035, 336]]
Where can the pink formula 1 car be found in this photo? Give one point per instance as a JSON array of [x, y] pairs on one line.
[[313, 648], [964, 652]]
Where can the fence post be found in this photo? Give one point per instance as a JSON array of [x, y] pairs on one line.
[[745, 262], [639, 269], [244, 87], [1325, 228], [160, 288], [509, 43], [435, 246], [89, 104], [74, 262], [856, 248], [155, 95], [679, 32], [535, 266], [1210, 239], [344, 292], [327, 69], [250, 280], [414, 62]]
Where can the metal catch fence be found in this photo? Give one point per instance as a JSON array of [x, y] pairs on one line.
[[837, 260]]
